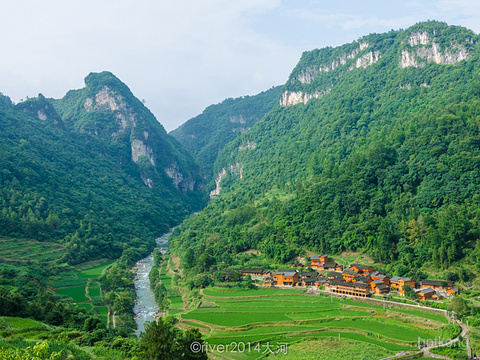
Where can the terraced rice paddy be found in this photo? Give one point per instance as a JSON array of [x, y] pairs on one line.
[[94, 272], [75, 289], [76, 293], [30, 251], [306, 322]]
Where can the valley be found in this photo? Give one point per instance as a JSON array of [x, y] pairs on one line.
[[335, 216]]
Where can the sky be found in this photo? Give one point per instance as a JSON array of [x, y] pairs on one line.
[[184, 55]]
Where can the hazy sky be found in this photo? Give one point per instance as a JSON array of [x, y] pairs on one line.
[[183, 55]]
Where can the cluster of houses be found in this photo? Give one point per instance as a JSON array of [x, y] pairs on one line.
[[357, 280]]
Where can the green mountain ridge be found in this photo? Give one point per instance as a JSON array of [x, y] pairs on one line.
[[205, 135], [94, 171], [374, 148]]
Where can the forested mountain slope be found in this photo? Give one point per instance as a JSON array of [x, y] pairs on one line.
[[205, 135], [374, 147], [94, 171]]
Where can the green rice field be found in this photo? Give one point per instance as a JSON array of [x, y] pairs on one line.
[[94, 272], [76, 293], [307, 323]]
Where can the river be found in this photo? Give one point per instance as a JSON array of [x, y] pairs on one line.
[[145, 306]]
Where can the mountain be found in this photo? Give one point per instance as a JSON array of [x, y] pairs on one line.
[[374, 148], [205, 135], [94, 171]]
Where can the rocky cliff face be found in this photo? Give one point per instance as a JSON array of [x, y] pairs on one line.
[[319, 70], [109, 110], [422, 48], [362, 56]]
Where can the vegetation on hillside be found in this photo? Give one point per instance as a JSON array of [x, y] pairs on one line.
[[386, 163], [205, 135]]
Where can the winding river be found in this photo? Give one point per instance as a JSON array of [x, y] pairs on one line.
[[145, 305]]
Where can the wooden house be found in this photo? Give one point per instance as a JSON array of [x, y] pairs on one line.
[[350, 288], [425, 294], [365, 279], [453, 291], [307, 274], [399, 282], [381, 289], [375, 283], [335, 275], [377, 276], [317, 260], [349, 275], [364, 270], [268, 281], [320, 282], [308, 281], [329, 266], [436, 284], [283, 278], [252, 271]]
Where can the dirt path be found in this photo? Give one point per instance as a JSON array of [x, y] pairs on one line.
[[463, 334]]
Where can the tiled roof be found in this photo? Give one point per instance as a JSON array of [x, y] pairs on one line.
[[398, 278], [427, 291], [436, 282], [252, 270], [360, 266]]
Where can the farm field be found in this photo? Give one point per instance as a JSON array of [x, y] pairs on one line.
[[76, 293], [308, 324], [82, 282], [30, 251], [94, 272]]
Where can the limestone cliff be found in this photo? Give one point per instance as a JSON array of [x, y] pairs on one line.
[[423, 48], [110, 111], [355, 56]]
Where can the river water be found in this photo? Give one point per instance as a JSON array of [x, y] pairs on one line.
[[145, 306]]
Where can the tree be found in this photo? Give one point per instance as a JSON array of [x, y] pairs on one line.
[[459, 305], [162, 340], [409, 292]]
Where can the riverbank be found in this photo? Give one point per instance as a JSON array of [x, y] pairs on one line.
[[146, 308]]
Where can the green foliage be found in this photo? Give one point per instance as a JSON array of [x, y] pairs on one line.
[[163, 340], [459, 305], [374, 166], [409, 292], [67, 173], [205, 135], [36, 352]]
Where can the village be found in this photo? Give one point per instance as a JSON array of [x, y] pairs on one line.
[[356, 280]]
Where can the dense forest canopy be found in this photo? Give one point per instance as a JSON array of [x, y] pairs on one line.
[[205, 135], [374, 148], [68, 174]]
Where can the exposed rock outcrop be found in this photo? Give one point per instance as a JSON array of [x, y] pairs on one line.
[[139, 148], [249, 146], [179, 180], [106, 100], [424, 49], [238, 119], [218, 180], [309, 74], [290, 98]]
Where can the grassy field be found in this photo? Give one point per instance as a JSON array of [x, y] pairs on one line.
[[94, 272], [308, 324]]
